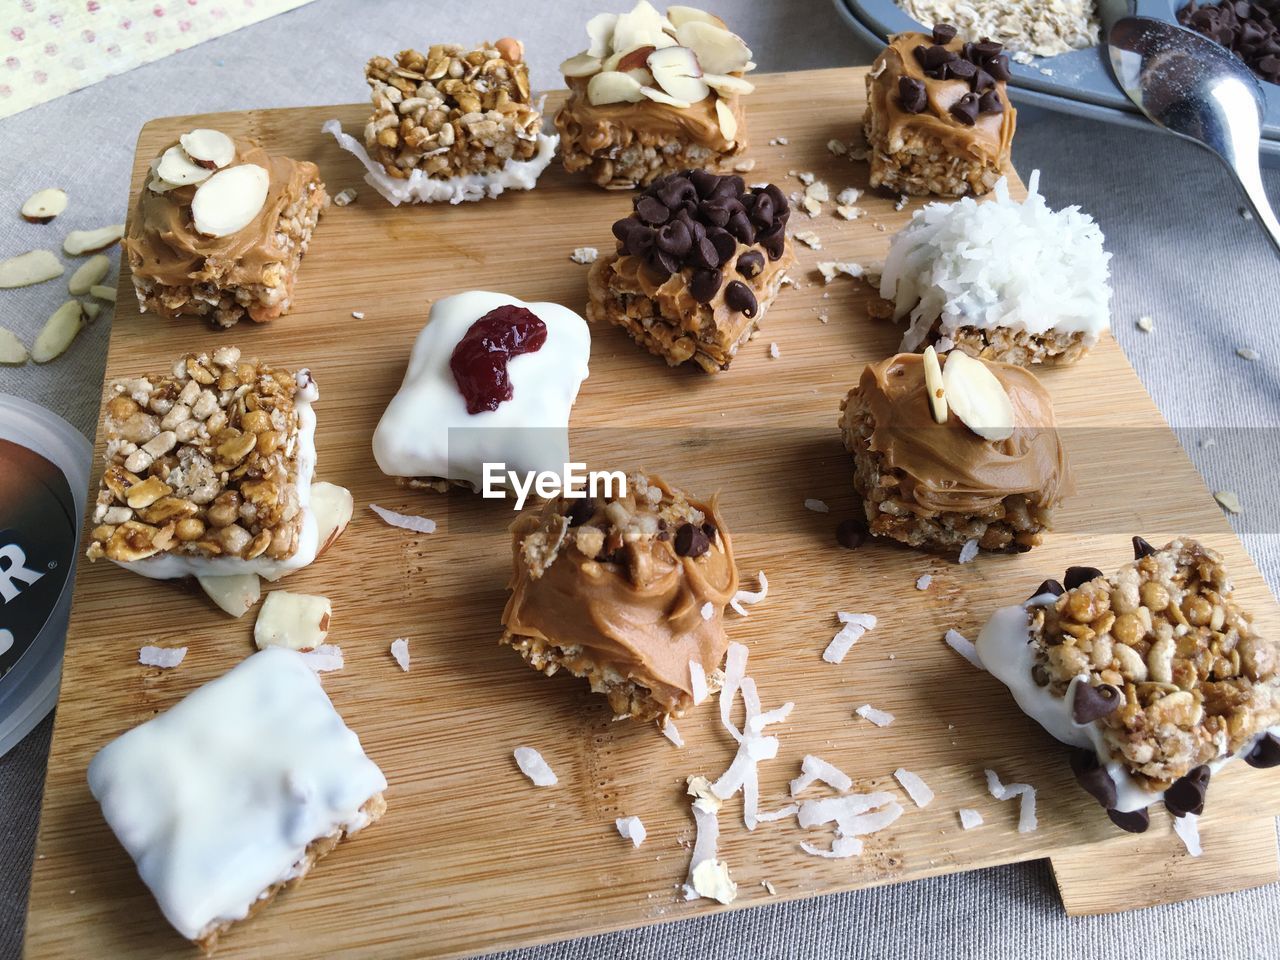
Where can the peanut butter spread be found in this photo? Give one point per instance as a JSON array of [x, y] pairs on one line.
[[162, 243], [620, 588], [948, 467], [987, 140], [595, 128]]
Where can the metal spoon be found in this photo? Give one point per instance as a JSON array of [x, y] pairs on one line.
[[1196, 88]]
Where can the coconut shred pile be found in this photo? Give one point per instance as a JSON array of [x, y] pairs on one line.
[[999, 263], [1045, 28]]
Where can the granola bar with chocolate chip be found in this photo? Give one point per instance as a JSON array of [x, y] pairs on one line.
[[1155, 673], [698, 264], [625, 592]]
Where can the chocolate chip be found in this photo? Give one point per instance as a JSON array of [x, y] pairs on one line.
[[912, 95], [740, 226], [982, 81], [990, 102], [1250, 30], [761, 210], [724, 242], [1265, 753], [937, 55], [673, 238], [738, 296], [662, 263], [676, 192], [774, 240], [690, 541], [1049, 586], [966, 109], [710, 530], [851, 533], [1141, 548], [704, 181], [705, 284], [652, 210], [998, 67], [715, 210], [703, 254], [1093, 777], [730, 186], [581, 511], [943, 33], [1186, 794], [920, 51], [1135, 821], [987, 49], [1092, 703], [750, 264], [959, 69], [1078, 575]]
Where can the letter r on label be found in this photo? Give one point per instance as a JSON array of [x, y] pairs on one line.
[[13, 567]]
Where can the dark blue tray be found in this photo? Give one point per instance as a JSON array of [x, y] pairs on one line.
[[1080, 82]]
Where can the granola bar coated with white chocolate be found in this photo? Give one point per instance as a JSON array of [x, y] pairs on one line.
[[209, 470], [1155, 672], [654, 94], [625, 592]]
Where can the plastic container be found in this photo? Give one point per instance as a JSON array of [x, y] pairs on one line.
[[44, 479]]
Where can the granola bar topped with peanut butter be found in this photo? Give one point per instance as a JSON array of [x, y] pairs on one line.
[[209, 471], [1155, 673], [628, 592], [654, 94], [451, 124]]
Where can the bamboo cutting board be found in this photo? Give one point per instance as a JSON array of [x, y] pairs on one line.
[[470, 857]]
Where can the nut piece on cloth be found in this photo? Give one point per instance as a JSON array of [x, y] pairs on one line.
[[628, 592], [236, 792], [1155, 673], [942, 486], [209, 471], [654, 94], [938, 115], [222, 239], [698, 264], [451, 124]]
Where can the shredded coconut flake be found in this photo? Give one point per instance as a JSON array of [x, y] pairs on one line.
[[880, 718], [325, 658], [842, 848], [708, 876], [1187, 827], [671, 733], [817, 506], [534, 767], [855, 625], [585, 255], [405, 521], [749, 597], [830, 269], [855, 815], [814, 769], [164, 657], [400, 650], [631, 828], [697, 681], [969, 819], [1027, 822], [968, 552], [782, 813], [924, 581], [916, 788], [774, 352], [962, 645]]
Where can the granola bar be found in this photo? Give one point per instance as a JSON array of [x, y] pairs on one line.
[[941, 485], [451, 124], [219, 230], [699, 262], [938, 114], [209, 470], [234, 793], [652, 95], [625, 591], [1155, 674]]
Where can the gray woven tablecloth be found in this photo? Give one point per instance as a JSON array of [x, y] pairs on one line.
[[1182, 254]]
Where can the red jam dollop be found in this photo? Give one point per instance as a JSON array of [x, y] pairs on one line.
[[479, 361]]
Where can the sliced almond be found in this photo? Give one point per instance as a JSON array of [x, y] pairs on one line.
[[657, 96], [157, 185], [80, 242], [727, 86], [600, 30], [611, 86], [298, 621], [235, 595], [44, 205], [91, 310], [717, 50], [636, 58], [582, 65], [58, 332], [89, 274], [333, 506], [211, 149], [228, 201], [676, 71], [12, 351], [36, 266], [179, 169], [102, 292], [933, 384], [728, 122], [639, 27], [680, 15], [977, 397]]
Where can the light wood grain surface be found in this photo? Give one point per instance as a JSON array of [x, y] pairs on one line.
[[470, 857]]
